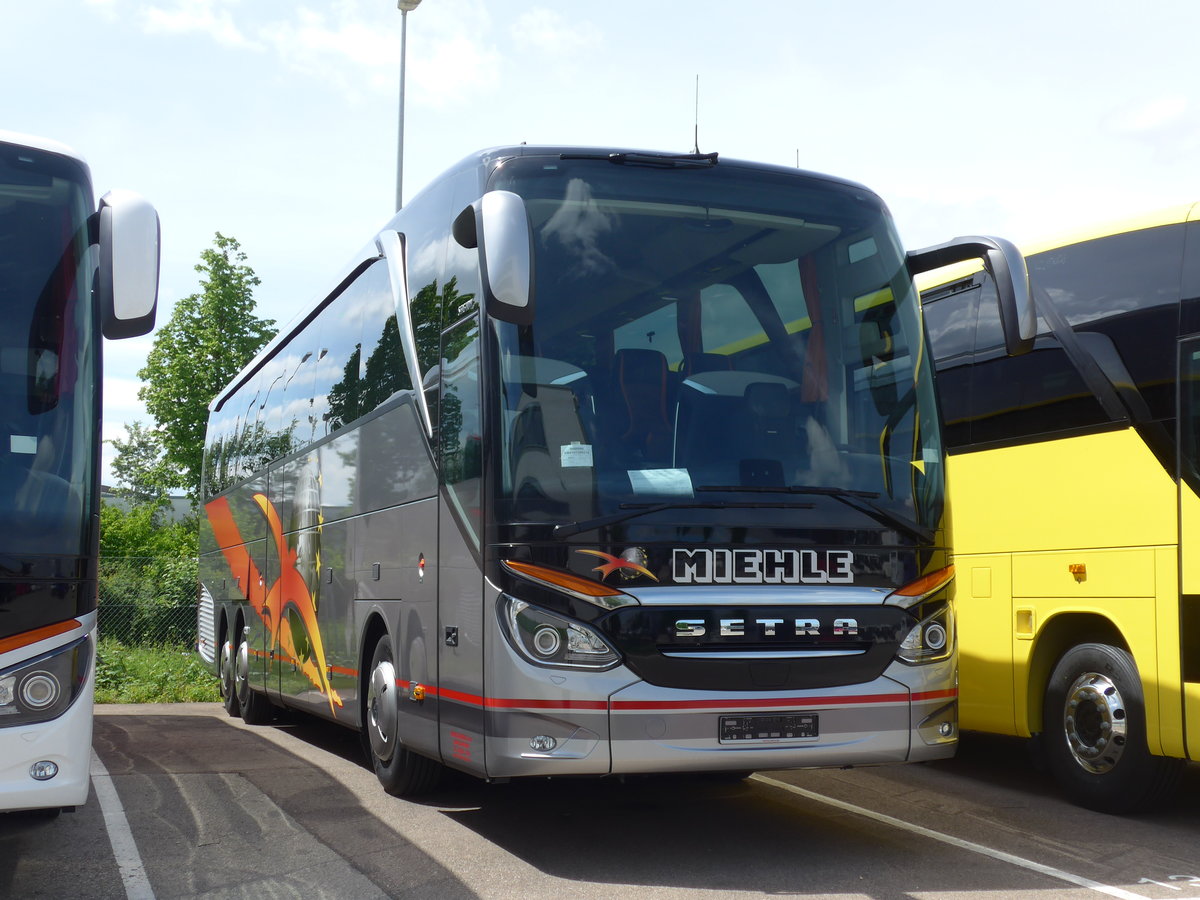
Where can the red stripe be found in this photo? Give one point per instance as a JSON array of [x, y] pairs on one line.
[[715, 705], [760, 702], [503, 703]]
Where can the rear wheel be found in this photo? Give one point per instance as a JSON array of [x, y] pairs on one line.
[[255, 708], [1094, 736], [226, 668], [400, 771]]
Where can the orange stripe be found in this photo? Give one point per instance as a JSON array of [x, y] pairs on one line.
[[38, 634]]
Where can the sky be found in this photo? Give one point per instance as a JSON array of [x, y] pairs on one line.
[[275, 121]]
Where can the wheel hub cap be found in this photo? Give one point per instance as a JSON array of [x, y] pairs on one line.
[[381, 710], [1095, 723], [242, 672], [227, 669]]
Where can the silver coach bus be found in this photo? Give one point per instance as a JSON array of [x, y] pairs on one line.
[[598, 462]]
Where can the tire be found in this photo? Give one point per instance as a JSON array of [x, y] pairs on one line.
[[255, 708], [402, 772], [226, 664], [1094, 733]]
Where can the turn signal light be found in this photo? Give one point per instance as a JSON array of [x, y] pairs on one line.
[[585, 589], [926, 584]]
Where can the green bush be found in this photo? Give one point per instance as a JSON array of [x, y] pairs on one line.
[[127, 674], [148, 577]]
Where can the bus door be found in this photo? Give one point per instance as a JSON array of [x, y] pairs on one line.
[[460, 571], [1189, 536]]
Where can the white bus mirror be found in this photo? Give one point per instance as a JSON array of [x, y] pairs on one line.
[[129, 253], [499, 226], [1004, 262]]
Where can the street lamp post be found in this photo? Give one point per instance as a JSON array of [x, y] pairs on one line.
[[405, 7]]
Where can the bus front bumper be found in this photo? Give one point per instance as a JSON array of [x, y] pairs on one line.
[[644, 729]]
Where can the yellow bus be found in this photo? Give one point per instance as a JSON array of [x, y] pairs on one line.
[[1074, 485]]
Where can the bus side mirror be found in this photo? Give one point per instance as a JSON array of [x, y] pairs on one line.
[[1004, 262], [128, 278], [499, 226]]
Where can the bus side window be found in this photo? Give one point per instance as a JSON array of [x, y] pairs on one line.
[[460, 433], [950, 322], [1125, 287], [1189, 412], [337, 330], [1039, 393]]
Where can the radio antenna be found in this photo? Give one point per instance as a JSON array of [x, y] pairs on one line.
[[696, 120]]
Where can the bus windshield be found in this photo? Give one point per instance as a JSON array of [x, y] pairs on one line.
[[712, 337], [47, 396]]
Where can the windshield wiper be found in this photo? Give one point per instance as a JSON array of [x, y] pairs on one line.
[[633, 510], [857, 500], [665, 160]]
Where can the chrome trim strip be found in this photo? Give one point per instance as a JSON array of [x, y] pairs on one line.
[[758, 595]]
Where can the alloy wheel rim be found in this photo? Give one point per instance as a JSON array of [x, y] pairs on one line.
[[1095, 723]]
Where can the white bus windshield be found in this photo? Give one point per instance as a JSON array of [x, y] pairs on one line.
[[712, 337], [47, 397]]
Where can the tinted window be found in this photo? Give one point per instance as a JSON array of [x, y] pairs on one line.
[[718, 330], [950, 321], [1126, 288], [48, 361], [1189, 413], [337, 334], [383, 369], [461, 432], [426, 225], [998, 398]]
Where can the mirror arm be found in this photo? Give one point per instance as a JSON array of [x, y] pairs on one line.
[[1005, 263]]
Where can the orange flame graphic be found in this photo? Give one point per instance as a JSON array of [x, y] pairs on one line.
[[614, 563], [271, 603]]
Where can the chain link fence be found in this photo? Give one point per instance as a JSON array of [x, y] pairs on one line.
[[148, 600]]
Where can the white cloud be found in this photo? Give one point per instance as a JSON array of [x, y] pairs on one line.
[[552, 32], [344, 53], [453, 70], [209, 17], [106, 8], [1152, 115]]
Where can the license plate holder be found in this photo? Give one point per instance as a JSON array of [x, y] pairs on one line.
[[769, 729]]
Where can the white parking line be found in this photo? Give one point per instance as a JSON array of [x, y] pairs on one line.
[[125, 851], [1029, 864]]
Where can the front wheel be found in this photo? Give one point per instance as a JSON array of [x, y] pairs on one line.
[[1094, 733], [401, 772]]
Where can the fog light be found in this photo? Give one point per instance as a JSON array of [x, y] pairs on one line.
[[39, 690], [546, 641], [935, 636], [43, 770], [542, 743], [946, 729]]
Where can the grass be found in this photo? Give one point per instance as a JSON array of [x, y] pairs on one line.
[[151, 675]]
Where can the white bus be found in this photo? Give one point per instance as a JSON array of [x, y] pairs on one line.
[[69, 272], [596, 463]]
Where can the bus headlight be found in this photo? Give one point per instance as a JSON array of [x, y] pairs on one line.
[[548, 639], [42, 688], [932, 638]]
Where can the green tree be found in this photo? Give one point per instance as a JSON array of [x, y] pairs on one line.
[[141, 474], [209, 337]]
